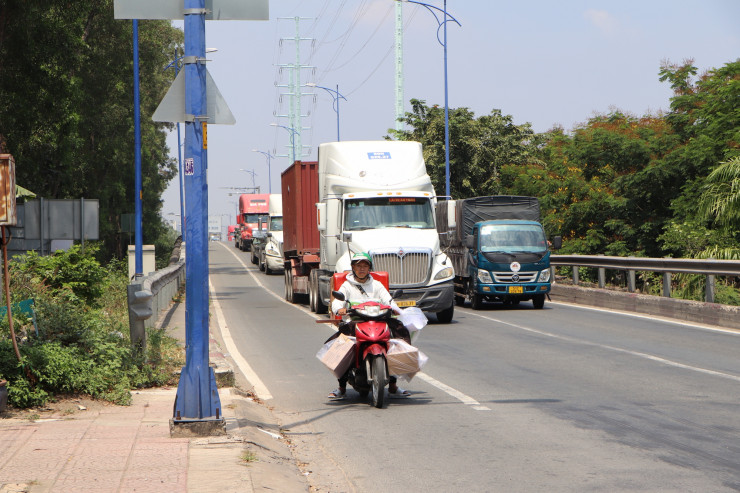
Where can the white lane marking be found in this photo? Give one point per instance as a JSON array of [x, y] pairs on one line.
[[259, 387], [467, 400], [638, 354], [674, 321]]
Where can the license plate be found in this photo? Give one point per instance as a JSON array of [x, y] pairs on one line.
[[403, 303], [516, 289]]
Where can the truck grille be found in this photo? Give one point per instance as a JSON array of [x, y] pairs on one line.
[[405, 267], [509, 276]]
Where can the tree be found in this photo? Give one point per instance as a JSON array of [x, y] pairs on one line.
[[479, 148], [66, 82]]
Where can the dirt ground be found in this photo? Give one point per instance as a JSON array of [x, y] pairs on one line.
[[64, 407]]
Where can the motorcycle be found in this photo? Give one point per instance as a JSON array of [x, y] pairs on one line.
[[373, 330]]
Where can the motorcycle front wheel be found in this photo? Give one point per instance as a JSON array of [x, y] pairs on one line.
[[379, 381]]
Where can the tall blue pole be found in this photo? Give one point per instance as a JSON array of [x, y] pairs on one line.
[[197, 394], [138, 255], [337, 112], [447, 117], [179, 165]]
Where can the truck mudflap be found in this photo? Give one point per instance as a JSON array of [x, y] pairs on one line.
[[434, 298]]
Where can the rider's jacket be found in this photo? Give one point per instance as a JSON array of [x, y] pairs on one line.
[[369, 290]]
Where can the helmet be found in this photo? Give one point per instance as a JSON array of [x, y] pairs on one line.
[[362, 257]]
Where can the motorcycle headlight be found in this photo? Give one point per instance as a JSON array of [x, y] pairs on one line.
[[544, 275], [484, 276], [444, 273]]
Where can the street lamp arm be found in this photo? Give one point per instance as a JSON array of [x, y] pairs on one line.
[[440, 23]]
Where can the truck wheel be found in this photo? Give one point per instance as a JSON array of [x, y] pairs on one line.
[[320, 306], [289, 296], [476, 301], [538, 301], [445, 316], [311, 291]]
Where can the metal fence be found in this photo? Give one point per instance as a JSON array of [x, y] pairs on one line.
[[668, 266], [149, 295]]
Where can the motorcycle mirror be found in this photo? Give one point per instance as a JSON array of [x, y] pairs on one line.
[[338, 295], [397, 293]]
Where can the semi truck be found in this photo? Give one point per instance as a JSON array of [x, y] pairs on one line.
[[365, 196], [252, 217], [498, 249], [214, 228], [266, 246]]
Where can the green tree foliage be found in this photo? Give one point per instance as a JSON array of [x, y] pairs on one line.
[[66, 83], [479, 147], [82, 345]]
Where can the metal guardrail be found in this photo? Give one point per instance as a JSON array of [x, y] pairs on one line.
[[668, 266], [149, 295]]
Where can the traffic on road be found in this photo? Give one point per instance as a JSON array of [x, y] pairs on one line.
[[562, 398]]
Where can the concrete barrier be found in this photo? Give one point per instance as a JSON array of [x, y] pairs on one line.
[[689, 311]]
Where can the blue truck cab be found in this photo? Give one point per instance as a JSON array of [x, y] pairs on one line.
[[509, 261], [498, 248]]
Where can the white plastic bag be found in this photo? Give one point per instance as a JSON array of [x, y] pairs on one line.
[[413, 318], [337, 354]]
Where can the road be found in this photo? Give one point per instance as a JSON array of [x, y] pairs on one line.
[[561, 399]]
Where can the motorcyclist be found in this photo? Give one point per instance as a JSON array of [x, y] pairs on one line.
[[361, 285]]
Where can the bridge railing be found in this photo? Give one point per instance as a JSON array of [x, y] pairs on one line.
[[149, 295], [667, 266]]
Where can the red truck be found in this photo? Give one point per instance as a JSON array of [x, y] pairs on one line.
[[253, 212], [300, 187]]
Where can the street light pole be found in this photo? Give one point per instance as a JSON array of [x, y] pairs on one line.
[[335, 103], [442, 24], [293, 132], [269, 176]]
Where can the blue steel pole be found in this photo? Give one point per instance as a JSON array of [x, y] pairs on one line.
[[138, 255], [337, 112], [179, 165], [197, 395], [447, 117]]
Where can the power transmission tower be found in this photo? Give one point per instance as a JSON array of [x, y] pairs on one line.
[[295, 87]]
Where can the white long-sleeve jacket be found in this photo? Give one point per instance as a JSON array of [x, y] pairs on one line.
[[374, 290]]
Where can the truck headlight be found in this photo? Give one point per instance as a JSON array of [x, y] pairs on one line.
[[484, 276], [444, 273], [544, 275]]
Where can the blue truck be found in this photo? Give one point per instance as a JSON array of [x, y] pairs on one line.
[[498, 249]]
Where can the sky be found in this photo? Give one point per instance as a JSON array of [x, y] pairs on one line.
[[544, 62]]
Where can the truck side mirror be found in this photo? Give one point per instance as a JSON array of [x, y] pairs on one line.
[[557, 242], [321, 216], [470, 241]]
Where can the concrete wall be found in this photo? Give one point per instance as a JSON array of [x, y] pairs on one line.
[[690, 311]]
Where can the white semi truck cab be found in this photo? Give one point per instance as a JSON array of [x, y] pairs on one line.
[[376, 197]]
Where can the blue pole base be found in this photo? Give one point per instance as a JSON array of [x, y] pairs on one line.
[[197, 395]]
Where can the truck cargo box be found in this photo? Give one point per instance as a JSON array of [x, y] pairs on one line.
[[467, 212], [300, 188]]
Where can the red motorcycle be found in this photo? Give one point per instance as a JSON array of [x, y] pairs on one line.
[[373, 326]]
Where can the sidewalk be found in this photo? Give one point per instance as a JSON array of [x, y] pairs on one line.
[[108, 448]]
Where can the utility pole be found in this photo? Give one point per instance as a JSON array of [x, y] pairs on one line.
[[399, 66], [295, 87]]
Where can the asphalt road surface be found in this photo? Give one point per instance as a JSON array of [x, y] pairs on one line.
[[512, 399]]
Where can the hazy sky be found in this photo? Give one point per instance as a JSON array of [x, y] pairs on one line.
[[544, 62]]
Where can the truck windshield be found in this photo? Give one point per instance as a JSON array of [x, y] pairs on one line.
[[255, 219], [512, 238], [276, 223], [388, 212]]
